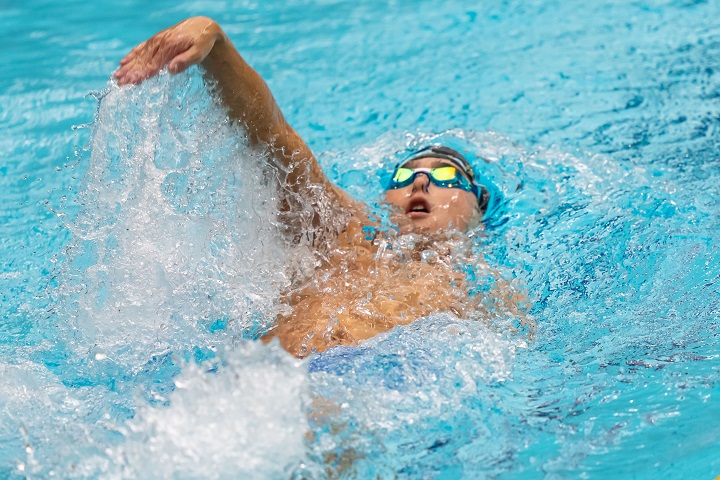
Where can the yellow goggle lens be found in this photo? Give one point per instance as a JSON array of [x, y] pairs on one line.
[[443, 174], [402, 174]]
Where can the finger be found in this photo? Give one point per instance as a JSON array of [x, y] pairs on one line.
[[148, 62], [136, 78], [133, 61], [122, 70], [127, 58], [125, 72], [184, 60], [144, 56], [121, 74], [126, 79], [123, 78], [134, 72], [133, 53]]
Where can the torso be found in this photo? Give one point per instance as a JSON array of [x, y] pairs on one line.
[[364, 289]]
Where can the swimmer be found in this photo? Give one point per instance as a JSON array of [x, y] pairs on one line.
[[358, 290]]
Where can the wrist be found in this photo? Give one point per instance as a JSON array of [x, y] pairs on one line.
[[215, 31]]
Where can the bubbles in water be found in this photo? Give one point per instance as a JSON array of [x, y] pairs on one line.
[[177, 232], [244, 418], [406, 400]]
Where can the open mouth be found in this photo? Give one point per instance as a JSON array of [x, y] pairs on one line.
[[418, 207]]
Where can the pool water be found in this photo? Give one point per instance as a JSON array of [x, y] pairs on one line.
[[140, 253]]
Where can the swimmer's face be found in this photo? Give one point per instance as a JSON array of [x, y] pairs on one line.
[[423, 206]]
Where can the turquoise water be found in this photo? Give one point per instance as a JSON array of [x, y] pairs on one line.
[[139, 251]]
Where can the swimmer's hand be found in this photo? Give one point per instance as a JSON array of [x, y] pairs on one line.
[[177, 48]]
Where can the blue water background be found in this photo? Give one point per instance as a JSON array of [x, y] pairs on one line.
[[603, 121]]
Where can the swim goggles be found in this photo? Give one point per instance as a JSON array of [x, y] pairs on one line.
[[446, 176]]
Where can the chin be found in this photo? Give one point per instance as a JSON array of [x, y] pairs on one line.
[[423, 225], [428, 225], [433, 226]]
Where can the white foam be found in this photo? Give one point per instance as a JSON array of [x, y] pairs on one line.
[[49, 428], [244, 421]]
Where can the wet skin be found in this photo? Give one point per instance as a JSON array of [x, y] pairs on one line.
[[359, 289], [423, 206]]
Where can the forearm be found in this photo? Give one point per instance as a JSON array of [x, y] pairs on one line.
[[245, 93], [249, 100]]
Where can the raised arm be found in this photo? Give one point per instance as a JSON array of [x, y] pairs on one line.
[[200, 40]]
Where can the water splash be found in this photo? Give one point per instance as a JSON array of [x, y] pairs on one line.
[[176, 216], [242, 417]]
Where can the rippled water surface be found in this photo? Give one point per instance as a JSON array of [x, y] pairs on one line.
[[140, 254]]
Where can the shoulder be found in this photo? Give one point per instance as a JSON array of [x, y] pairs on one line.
[[360, 230]]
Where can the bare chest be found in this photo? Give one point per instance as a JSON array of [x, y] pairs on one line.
[[361, 295]]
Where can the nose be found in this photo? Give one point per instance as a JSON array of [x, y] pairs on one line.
[[421, 181]]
